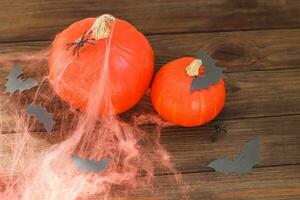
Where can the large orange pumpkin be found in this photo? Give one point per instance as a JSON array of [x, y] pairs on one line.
[[173, 99], [79, 53]]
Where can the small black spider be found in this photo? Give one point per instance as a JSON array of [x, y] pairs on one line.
[[219, 128], [80, 43]]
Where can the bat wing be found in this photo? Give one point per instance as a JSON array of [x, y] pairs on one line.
[[15, 73], [14, 82], [27, 84], [200, 83], [206, 60], [42, 115], [212, 73], [90, 165], [248, 157], [222, 165]]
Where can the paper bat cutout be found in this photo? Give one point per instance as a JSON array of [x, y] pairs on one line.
[[42, 115], [90, 165], [242, 164], [212, 73], [15, 82]]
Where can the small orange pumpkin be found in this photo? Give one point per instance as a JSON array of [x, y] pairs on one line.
[[78, 56], [174, 100]]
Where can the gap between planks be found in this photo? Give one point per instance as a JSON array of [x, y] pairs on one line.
[[34, 19], [278, 137]]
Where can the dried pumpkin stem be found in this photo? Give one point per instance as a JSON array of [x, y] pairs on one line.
[[101, 26], [193, 68]]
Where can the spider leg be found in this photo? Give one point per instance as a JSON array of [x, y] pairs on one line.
[[90, 43], [89, 39], [69, 45], [74, 50], [223, 129], [78, 49], [214, 137]]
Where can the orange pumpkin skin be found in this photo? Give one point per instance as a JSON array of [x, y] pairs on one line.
[[131, 65], [175, 102]]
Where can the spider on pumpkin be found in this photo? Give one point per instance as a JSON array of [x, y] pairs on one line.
[[219, 128], [80, 43]]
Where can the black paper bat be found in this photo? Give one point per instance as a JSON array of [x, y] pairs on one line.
[[90, 165], [212, 73], [15, 82], [242, 164], [42, 115]]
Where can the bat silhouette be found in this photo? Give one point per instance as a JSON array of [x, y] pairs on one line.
[[42, 115], [15, 82], [242, 164], [90, 165], [212, 73]]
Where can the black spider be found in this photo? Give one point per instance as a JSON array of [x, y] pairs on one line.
[[80, 43], [219, 128]]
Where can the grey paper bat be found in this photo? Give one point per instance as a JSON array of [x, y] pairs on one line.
[[212, 73], [90, 165], [242, 164], [15, 82], [42, 115]]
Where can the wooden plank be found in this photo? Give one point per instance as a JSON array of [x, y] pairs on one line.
[[236, 51], [262, 93], [274, 183], [41, 20], [270, 183], [249, 94], [191, 149]]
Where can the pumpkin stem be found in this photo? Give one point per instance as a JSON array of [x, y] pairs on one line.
[[193, 68], [100, 28]]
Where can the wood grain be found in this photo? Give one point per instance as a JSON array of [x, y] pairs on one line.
[[270, 183], [191, 149], [262, 93], [263, 78], [41, 20], [236, 51], [249, 94], [273, 183]]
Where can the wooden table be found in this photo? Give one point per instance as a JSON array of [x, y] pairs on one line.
[[257, 41]]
